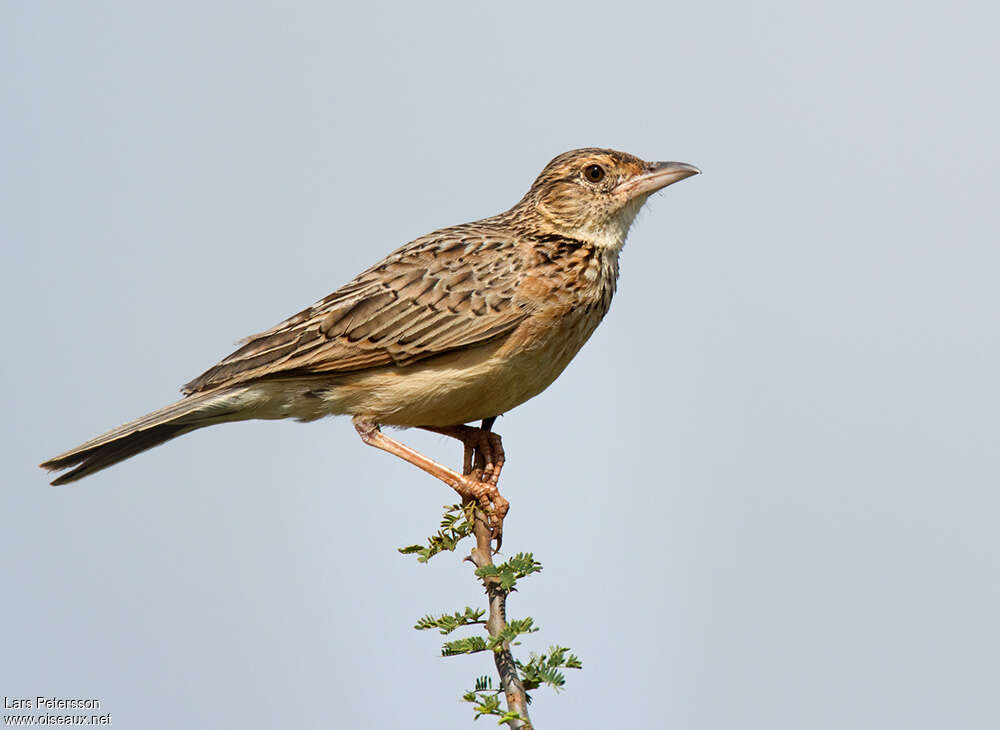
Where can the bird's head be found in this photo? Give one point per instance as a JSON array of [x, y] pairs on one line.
[[593, 195]]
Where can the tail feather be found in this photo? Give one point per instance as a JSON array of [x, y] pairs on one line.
[[141, 434], [101, 457]]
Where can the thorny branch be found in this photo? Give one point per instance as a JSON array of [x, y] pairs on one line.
[[481, 556]]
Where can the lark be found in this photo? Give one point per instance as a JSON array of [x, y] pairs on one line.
[[457, 326]]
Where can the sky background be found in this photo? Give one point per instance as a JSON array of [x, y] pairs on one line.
[[765, 493]]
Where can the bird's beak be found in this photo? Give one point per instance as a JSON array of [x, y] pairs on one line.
[[656, 177]]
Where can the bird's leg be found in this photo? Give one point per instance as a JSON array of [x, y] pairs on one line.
[[486, 430], [480, 459], [483, 454], [468, 485], [480, 442]]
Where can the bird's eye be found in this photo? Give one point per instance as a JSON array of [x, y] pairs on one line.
[[594, 173]]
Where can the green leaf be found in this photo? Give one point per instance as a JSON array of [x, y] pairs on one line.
[[486, 699], [467, 645], [511, 631], [508, 716], [456, 525], [487, 705], [446, 623], [523, 565], [544, 669], [512, 570]]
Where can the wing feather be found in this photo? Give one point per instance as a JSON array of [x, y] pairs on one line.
[[452, 289]]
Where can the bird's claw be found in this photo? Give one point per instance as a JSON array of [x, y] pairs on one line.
[[482, 461], [493, 504], [483, 449]]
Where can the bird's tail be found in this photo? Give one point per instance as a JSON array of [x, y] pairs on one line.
[[151, 430]]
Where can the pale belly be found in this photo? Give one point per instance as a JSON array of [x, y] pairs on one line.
[[469, 385], [459, 387]]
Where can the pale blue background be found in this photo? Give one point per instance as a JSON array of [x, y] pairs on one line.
[[765, 494]]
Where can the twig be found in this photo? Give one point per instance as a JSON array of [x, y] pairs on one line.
[[481, 556]]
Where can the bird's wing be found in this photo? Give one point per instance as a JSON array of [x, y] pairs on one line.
[[445, 291]]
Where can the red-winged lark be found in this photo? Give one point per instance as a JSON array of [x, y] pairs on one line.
[[458, 326]]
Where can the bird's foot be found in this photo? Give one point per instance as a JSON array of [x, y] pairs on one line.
[[484, 459], [488, 446], [486, 495]]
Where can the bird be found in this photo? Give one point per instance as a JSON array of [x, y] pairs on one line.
[[457, 326]]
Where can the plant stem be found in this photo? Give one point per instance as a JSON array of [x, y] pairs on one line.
[[481, 556]]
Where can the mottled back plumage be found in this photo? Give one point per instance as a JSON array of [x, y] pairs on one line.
[[450, 289]]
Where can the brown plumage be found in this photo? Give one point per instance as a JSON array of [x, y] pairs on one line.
[[459, 325]]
